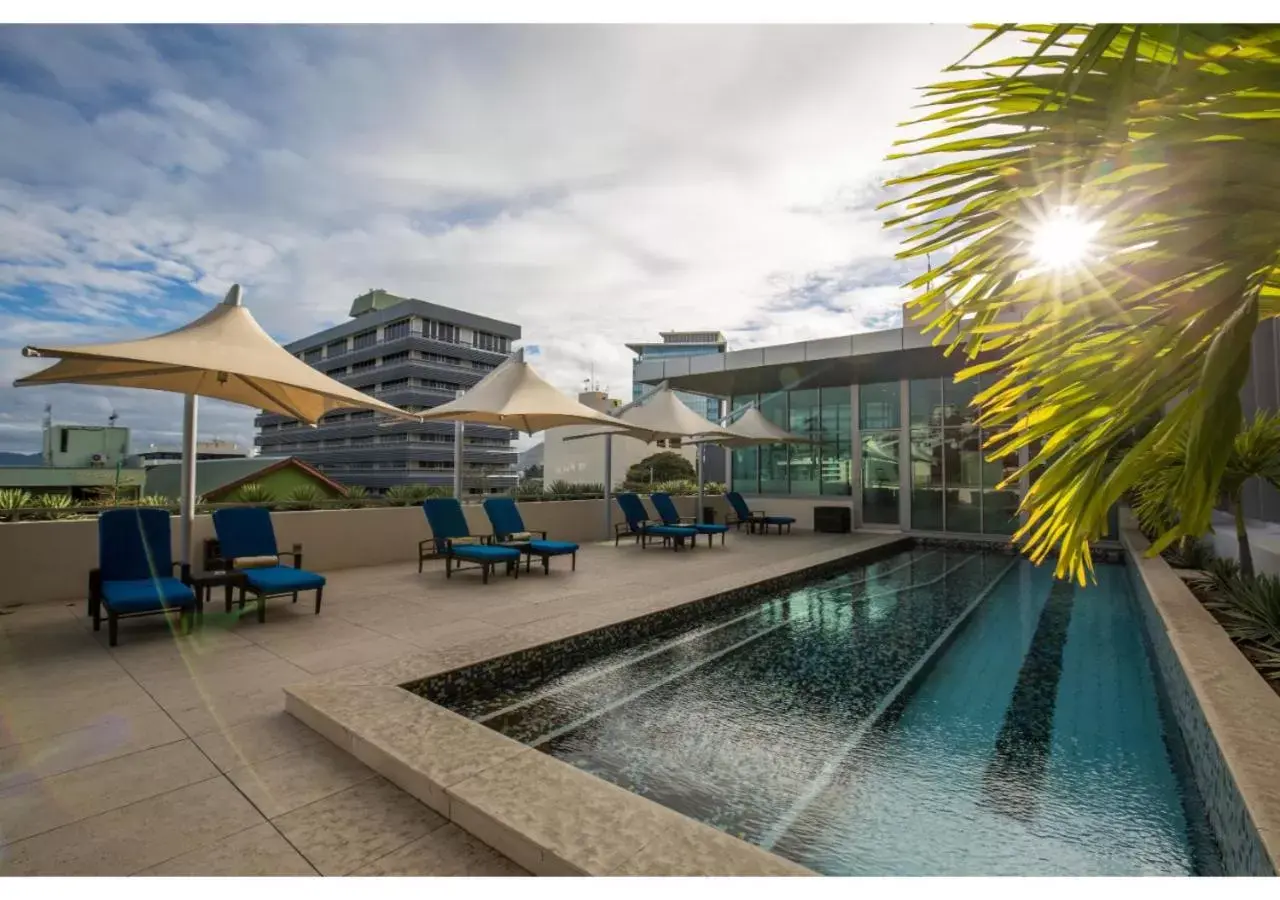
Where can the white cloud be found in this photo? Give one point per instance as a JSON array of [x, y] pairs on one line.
[[593, 184]]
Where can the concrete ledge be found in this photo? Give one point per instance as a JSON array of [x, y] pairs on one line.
[[1228, 714], [543, 814]]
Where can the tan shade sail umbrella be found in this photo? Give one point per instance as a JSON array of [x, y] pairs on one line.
[[224, 354], [515, 396], [662, 417], [752, 429]]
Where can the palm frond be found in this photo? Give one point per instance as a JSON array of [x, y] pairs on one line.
[[1163, 135]]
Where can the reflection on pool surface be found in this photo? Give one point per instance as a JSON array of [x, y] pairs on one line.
[[933, 712]]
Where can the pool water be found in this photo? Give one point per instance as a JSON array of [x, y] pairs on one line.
[[934, 712]]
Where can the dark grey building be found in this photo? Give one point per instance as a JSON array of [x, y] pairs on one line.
[[414, 355]]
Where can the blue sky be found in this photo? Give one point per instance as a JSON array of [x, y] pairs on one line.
[[594, 184]]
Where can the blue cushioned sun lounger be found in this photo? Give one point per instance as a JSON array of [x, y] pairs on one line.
[[508, 526], [744, 516], [135, 570], [639, 524], [247, 541], [667, 512], [452, 539]]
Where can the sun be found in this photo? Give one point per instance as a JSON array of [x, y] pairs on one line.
[[1064, 240]]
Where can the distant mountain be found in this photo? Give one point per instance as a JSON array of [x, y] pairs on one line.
[[529, 457], [27, 459]]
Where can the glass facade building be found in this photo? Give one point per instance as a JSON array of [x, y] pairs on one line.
[[677, 344], [919, 456]]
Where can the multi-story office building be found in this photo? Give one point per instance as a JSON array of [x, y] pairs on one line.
[[679, 344], [414, 355], [676, 344]]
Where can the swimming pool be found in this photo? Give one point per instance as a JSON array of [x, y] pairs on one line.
[[932, 712]]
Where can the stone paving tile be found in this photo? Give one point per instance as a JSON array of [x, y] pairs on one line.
[[356, 826], [107, 738], [255, 741], [287, 782], [39, 806], [137, 836], [446, 851], [255, 852]]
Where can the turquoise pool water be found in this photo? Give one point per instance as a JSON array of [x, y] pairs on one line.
[[934, 712]]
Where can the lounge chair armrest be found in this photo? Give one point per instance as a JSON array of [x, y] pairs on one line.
[[619, 527], [684, 519], [542, 532], [296, 553]]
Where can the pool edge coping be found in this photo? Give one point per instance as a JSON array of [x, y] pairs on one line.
[[450, 763], [1240, 710]]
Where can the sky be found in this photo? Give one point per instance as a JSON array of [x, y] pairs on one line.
[[593, 184]]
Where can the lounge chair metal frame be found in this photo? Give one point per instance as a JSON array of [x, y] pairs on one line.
[[688, 521], [645, 529]]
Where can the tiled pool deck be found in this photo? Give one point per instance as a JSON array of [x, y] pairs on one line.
[[173, 755]]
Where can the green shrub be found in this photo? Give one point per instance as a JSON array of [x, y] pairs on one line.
[[560, 488], [154, 500], [305, 496], [254, 492], [712, 487]]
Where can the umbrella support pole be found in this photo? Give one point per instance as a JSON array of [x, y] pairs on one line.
[[458, 428], [188, 503], [697, 513], [608, 486]]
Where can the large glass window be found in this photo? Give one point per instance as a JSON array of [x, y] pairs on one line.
[[880, 482], [926, 479], [926, 402], [805, 420], [958, 399], [999, 507], [963, 462], [746, 460], [836, 461], [879, 406], [774, 458]]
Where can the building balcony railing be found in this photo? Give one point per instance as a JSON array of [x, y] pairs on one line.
[[417, 339]]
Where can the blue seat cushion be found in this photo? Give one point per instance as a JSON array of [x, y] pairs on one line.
[[711, 529], [552, 548], [671, 531], [282, 580], [146, 594], [481, 553]]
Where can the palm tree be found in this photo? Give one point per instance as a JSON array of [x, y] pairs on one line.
[[1255, 453], [1156, 144]]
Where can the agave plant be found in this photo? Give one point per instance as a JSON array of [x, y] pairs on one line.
[[530, 487], [305, 496], [713, 487], [255, 492], [560, 488], [409, 494], [51, 506], [155, 500], [1249, 609], [1156, 143], [11, 501], [355, 496]]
